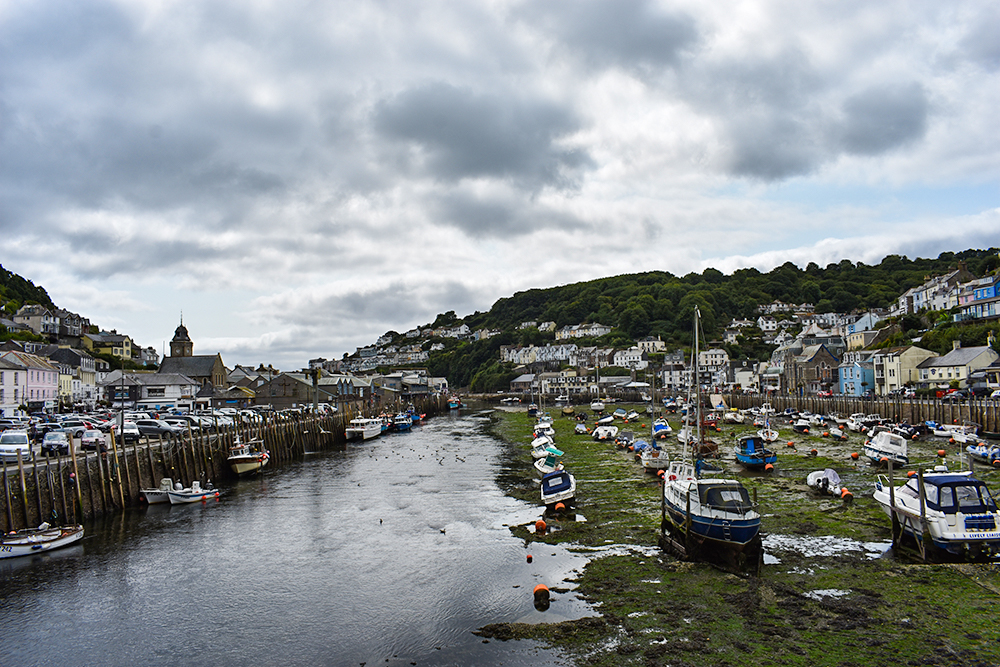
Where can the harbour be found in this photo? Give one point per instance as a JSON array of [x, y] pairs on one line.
[[389, 552]]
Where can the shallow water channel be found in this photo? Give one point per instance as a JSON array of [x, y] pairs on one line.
[[389, 553]]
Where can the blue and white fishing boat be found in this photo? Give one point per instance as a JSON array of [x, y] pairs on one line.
[[983, 453], [712, 519], [558, 487], [402, 422], [950, 512], [751, 453]]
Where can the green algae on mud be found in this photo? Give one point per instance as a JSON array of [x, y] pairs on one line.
[[824, 607]]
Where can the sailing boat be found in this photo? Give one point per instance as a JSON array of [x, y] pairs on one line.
[[710, 519]]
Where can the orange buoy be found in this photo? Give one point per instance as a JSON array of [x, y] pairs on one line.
[[560, 507], [996, 463], [951, 441], [854, 455], [806, 431], [941, 453], [813, 452], [541, 595], [884, 459], [791, 444], [914, 437], [540, 526], [768, 467], [826, 434], [911, 473], [660, 474], [631, 448], [529, 558], [846, 495], [642, 425]]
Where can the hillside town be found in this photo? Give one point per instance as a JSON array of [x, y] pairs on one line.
[[813, 354]]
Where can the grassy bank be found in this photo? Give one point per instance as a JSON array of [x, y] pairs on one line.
[[824, 596]]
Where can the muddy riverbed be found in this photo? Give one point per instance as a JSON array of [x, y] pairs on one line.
[[832, 591]]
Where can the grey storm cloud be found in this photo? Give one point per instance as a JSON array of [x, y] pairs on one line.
[[633, 34], [882, 118], [498, 217], [465, 134]]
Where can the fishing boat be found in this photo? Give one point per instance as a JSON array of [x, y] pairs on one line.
[[532, 409], [454, 402], [192, 494], [543, 428], [710, 519], [886, 446], [156, 496], [363, 428], [801, 425], [855, 422], [606, 420], [945, 512], [597, 406], [247, 458], [402, 422], [827, 481], [542, 447], [558, 486], [31, 541], [752, 454]]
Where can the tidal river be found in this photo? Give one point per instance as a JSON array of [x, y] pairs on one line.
[[389, 553]]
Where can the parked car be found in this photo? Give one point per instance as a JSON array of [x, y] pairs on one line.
[[55, 443], [158, 427], [130, 432], [13, 441], [75, 427], [94, 439], [956, 396]]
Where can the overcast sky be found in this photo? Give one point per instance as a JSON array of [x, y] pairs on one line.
[[300, 177]]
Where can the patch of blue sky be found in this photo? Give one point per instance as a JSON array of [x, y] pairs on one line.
[[893, 203]]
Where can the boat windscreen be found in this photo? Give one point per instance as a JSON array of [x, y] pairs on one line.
[[967, 498], [727, 497]]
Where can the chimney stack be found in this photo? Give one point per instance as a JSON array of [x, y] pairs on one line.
[[955, 344]]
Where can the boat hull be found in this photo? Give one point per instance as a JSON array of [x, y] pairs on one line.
[[35, 541], [248, 465], [185, 496]]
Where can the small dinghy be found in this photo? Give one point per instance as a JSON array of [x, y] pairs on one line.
[[983, 453], [549, 463], [605, 432], [37, 540], [661, 428], [580, 429], [836, 433], [827, 482]]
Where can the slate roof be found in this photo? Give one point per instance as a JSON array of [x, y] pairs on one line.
[[960, 357], [198, 366]]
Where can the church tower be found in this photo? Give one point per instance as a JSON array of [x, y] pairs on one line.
[[181, 345]]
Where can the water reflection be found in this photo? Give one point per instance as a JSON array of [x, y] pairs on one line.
[[394, 550]]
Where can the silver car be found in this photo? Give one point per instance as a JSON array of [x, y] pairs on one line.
[[13, 441]]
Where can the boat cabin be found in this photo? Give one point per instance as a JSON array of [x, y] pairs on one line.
[[952, 494], [725, 495]]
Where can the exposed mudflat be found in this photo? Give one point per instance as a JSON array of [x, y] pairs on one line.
[[832, 591]]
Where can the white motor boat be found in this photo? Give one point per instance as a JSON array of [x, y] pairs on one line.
[[558, 487], [856, 422], [156, 496], [887, 446], [363, 428], [580, 429], [192, 494], [548, 464], [38, 540], [597, 406], [605, 432], [826, 481], [953, 509]]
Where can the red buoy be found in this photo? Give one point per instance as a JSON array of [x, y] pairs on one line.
[[911, 473], [791, 444], [813, 452], [529, 558], [846, 495], [540, 526], [826, 434], [941, 453], [768, 467], [660, 474], [854, 455], [560, 507]]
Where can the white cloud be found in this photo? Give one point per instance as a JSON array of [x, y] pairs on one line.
[[298, 177]]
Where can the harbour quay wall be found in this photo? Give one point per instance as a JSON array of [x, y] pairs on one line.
[[982, 411], [79, 486]]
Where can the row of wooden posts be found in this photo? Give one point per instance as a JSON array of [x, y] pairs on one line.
[[80, 486], [981, 411]]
